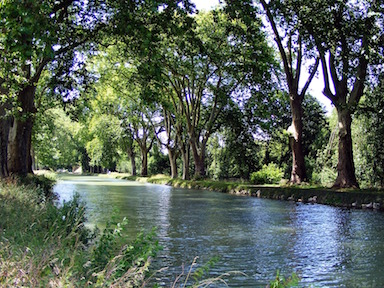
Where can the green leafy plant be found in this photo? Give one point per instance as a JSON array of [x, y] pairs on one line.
[[281, 282], [49, 245], [269, 174]]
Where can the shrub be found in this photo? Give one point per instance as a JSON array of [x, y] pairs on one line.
[[269, 174], [326, 176], [42, 182]]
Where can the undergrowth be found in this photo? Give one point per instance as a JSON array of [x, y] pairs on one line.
[[42, 245]]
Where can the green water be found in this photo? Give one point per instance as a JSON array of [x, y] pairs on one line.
[[325, 246]]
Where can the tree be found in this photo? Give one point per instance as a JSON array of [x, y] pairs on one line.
[[56, 140], [127, 143], [369, 137], [103, 147], [291, 53], [50, 34], [269, 122], [347, 35], [34, 36], [208, 68]]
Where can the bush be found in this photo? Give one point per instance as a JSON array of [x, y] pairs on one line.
[[44, 183], [325, 177], [269, 174]]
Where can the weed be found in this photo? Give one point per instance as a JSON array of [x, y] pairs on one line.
[[281, 282]]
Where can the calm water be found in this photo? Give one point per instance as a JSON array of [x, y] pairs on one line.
[[326, 246]]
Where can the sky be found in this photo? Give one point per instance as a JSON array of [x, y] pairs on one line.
[[316, 87]]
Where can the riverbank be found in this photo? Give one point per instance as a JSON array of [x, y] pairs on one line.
[[349, 198], [43, 244]]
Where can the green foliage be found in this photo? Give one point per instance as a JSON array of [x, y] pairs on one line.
[[368, 131], [105, 133], [49, 245], [35, 34], [57, 140], [269, 174], [199, 273], [158, 163], [43, 183], [325, 162], [111, 258], [281, 282]]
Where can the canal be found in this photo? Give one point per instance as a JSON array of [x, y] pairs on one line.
[[326, 246]]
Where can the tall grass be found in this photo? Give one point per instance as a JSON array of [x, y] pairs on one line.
[[42, 245]]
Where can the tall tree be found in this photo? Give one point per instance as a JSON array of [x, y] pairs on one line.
[[290, 53], [33, 36], [347, 35], [205, 70], [36, 35]]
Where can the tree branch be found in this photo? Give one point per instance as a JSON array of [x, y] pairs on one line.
[[310, 78], [358, 86], [279, 44], [298, 65], [327, 90]]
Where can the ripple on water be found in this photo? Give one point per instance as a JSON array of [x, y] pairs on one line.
[[327, 246]]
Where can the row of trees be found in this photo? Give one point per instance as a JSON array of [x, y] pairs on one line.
[[158, 76]]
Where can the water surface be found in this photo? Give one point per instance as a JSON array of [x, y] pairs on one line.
[[326, 246]]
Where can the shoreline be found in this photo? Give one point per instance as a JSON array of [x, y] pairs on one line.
[[367, 199]]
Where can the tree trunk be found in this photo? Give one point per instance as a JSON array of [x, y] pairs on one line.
[[5, 123], [185, 157], [198, 158], [298, 173], [131, 155], [144, 162], [85, 167], [346, 177], [20, 134], [172, 155]]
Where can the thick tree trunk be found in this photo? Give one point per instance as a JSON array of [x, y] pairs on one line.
[[198, 158], [298, 173], [131, 155], [346, 177], [185, 157], [20, 134], [144, 162], [5, 123], [172, 155], [85, 167], [199, 167]]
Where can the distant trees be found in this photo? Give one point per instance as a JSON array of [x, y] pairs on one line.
[[205, 72]]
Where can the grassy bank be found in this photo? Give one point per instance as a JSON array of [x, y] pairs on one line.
[[349, 198], [44, 245]]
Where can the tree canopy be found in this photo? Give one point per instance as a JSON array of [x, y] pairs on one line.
[[145, 80]]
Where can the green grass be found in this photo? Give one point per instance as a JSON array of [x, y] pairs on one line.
[[42, 245], [284, 191]]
